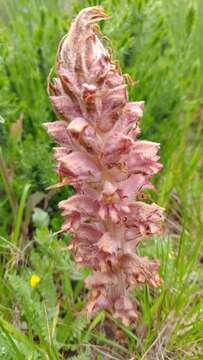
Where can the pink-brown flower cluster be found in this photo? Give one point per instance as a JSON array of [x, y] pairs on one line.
[[99, 155]]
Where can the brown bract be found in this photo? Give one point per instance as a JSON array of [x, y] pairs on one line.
[[98, 153]]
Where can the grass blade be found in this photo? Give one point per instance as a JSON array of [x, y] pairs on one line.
[[16, 231]]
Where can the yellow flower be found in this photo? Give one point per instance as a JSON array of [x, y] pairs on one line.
[[171, 254], [34, 280]]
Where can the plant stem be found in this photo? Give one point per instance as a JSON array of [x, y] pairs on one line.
[[7, 185]]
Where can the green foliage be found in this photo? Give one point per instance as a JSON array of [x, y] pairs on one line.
[[159, 43]]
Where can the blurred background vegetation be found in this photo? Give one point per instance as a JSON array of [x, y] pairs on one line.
[[159, 43]]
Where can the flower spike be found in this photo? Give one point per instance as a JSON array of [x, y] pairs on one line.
[[99, 154]]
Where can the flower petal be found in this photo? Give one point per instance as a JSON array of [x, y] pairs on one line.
[[77, 126], [143, 158], [65, 108], [108, 244], [79, 166], [58, 130], [79, 203], [116, 145], [132, 185], [127, 124]]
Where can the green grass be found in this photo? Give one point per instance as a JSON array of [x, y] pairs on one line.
[[159, 43]]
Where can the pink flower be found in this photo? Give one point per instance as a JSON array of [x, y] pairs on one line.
[[99, 155]]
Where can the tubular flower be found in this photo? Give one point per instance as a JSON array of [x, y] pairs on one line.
[[99, 155]]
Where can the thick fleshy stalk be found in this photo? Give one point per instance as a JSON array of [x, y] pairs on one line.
[[99, 155]]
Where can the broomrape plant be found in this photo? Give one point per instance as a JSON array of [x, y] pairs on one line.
[[99, 155]]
